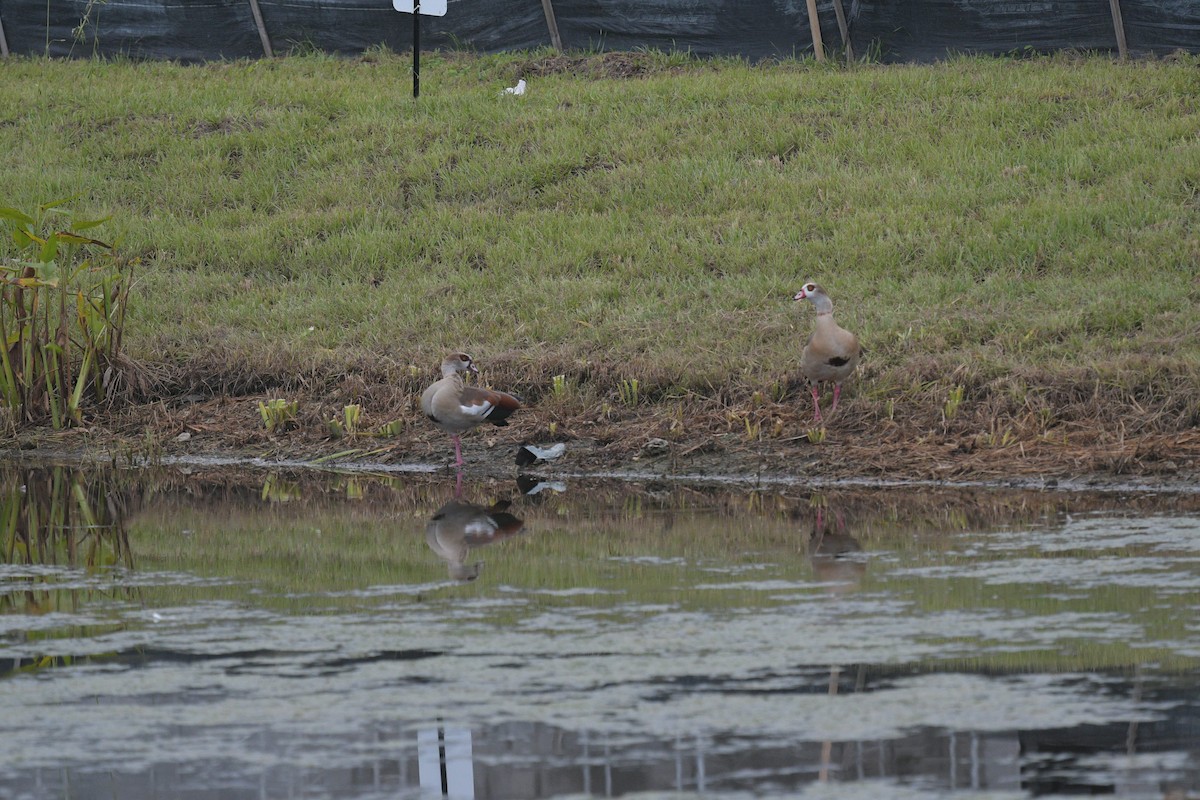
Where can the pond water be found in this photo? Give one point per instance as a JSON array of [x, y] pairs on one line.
[[192, 632]]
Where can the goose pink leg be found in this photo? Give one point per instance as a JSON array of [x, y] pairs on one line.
[[817, 403], [458, 462], [837, 392]]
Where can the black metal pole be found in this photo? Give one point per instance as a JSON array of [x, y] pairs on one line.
[[416, 49]]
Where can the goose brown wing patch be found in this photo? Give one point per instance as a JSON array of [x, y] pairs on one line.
[[493, 406]]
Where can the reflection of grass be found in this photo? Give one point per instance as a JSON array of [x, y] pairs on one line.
[[333, 550], [643, 549], [340, 534], [1161, 618]]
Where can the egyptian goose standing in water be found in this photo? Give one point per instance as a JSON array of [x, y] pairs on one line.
[[831, 352], [457, 408]]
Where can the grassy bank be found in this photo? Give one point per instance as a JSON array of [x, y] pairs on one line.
[[1023, 233]]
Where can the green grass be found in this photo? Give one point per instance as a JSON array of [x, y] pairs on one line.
[[1032, 224]]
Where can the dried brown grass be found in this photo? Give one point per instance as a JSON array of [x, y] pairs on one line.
[[1073, 422]]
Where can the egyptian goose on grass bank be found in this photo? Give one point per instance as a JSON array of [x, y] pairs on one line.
[[831, 352], [457, 408]]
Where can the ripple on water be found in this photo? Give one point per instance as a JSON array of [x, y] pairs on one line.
[[700, 646], [1152, 534], [1159, 573]]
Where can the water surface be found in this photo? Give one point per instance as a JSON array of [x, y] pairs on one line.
[[207, 633]]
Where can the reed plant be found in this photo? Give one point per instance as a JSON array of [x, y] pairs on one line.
[[278, 414], [347, 425], [629, 392], [63, 304]]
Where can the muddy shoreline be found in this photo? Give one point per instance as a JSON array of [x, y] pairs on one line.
[[648, 445]]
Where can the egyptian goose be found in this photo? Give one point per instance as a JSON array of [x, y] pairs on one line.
[[459, 526], [457, 408], [831, 353]]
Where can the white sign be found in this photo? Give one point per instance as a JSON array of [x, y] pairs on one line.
[[431, 8]]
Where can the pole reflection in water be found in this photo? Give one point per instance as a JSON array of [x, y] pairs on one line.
[[444, 761], [838, 564]]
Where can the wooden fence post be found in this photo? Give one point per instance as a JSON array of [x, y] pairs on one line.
[[844, 29], [552, 24], [1119, 26], [814, 24], [262, 28]]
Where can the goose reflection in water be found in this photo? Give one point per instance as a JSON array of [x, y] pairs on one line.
[[835, 554], [459, 526]]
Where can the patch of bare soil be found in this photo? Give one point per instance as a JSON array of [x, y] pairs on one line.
[[599, 66], [777, 442]]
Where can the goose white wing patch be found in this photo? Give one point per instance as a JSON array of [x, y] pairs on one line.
[[478, 410], [481, 527]]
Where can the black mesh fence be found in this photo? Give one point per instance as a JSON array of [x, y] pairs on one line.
[[890, 30]]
